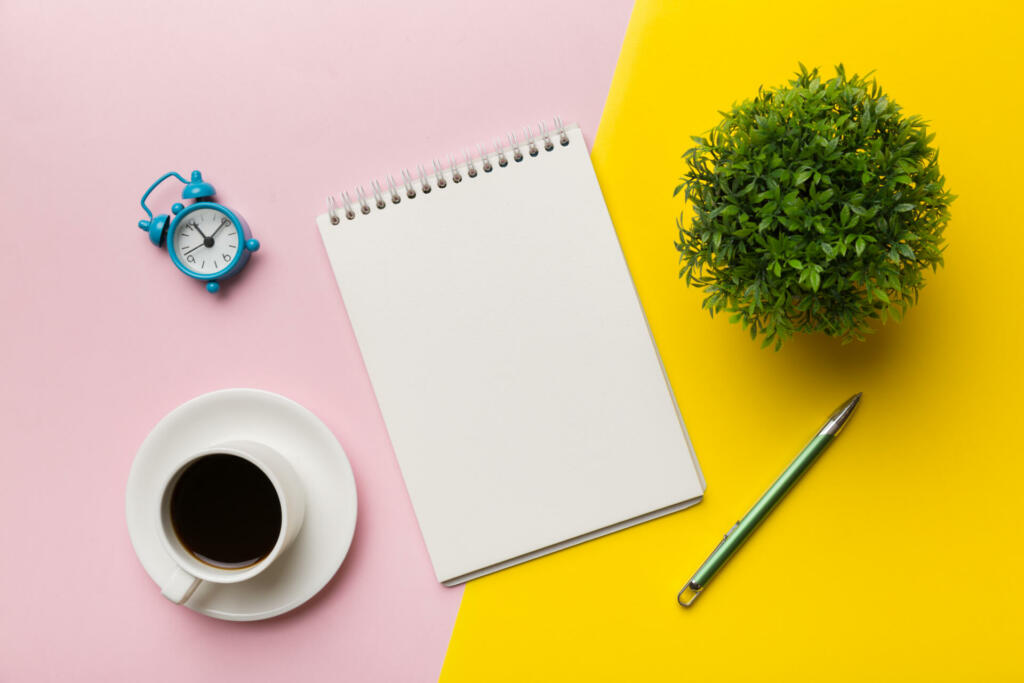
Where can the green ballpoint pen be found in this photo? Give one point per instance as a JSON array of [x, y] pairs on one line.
[[740, 531]]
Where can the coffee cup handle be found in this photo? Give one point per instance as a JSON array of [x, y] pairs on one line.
[[179, 586]]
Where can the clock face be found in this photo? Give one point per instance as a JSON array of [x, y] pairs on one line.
[[206, 241]]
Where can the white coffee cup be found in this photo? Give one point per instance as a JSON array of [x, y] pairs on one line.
[[189, 571]]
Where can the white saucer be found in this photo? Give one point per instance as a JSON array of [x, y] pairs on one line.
[[318, 459]]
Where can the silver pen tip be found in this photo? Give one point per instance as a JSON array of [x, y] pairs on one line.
[[836, 420]]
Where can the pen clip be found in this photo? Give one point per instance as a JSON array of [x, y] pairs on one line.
[[727, 535], [691, 590]]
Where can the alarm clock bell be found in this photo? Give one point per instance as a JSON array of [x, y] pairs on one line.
[[197, 188]]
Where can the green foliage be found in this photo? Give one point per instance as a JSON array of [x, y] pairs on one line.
[[817, 207]]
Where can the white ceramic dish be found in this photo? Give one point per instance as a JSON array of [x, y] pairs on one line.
[[314, 453]]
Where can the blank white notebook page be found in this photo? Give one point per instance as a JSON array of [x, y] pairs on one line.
[[523, 394]]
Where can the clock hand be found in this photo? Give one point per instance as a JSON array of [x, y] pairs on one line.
[[201, 244], [224, 222], [207, 239]]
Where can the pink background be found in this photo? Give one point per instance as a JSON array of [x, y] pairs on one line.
[[278, 104]]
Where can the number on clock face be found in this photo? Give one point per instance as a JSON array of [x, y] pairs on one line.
[[206, 241]]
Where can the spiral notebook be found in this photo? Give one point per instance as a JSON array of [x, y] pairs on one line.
[[512, 362]]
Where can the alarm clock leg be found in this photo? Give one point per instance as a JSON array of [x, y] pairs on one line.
[[212, 287]]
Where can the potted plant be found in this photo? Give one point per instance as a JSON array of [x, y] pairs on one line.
[[816, 207]]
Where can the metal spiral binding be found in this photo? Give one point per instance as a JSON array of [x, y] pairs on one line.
[[533, 143], [377, 194], [516, 154], [393, 189], [349, 212], [410, 191], [441, 177], [332, 210], [361, 196], [484, 161], [424, 183], [548, 145], [563, 139]]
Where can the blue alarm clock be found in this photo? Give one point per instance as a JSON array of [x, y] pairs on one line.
[[206, 240]]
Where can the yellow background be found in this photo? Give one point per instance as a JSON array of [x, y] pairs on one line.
[[898, 557]]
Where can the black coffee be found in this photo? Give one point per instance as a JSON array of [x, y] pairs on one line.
[[225, 511]]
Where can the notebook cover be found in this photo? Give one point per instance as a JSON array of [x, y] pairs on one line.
[[513, 365]]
